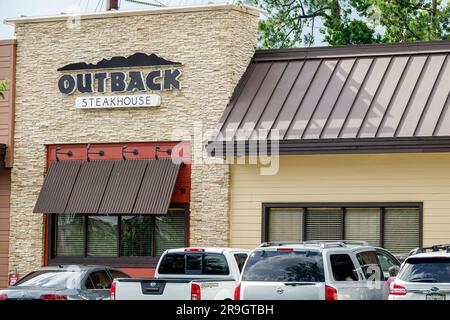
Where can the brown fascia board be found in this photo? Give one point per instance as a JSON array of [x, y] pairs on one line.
[[349, 51]]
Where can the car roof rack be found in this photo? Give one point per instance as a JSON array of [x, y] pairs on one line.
[[433, 248], [320, 243]]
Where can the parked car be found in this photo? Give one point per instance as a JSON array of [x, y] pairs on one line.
[[187, 274], [316, 270], [424, 275], [64, 283]]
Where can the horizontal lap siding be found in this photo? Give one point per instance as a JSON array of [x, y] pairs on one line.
[[7, 66], [5, 190], [344, 178]]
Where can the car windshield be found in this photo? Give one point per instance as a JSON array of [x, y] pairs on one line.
[[427, 270], [51, 279], [282, 266]]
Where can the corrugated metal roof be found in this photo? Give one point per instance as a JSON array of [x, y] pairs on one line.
[[123, 187], [351, 92], [89, 187], [108, 187], [157, 187], [57, 187]]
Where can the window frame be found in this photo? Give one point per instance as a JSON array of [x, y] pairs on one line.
[[118, 261], [266, 206]]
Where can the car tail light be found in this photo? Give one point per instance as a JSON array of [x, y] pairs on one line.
[[112, 291], [53, 297], [397, 290], [196, 292], [285, 249], [237, 292], [330, 293], [194, 250], [3, 297]]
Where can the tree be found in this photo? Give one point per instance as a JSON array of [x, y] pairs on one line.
[[292, 23], [3, 84]]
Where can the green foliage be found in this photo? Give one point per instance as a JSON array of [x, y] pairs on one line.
[[292, 23], [3, 85]]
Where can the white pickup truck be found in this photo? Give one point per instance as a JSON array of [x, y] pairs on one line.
[[187, 274]]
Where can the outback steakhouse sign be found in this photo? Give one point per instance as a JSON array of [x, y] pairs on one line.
[[118, 81]]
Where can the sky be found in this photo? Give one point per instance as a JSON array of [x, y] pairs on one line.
[[17, 8]]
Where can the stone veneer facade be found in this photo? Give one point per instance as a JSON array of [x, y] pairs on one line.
[[215, 45]]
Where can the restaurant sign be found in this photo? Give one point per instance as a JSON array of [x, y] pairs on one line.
[[165, 77]]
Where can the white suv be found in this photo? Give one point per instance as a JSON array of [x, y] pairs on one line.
[[424, 275], [316, 270]]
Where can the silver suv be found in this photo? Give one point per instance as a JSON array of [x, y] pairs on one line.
[[316, 270]]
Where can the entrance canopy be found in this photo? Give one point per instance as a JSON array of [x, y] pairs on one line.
[[344, 99], [108, 187]]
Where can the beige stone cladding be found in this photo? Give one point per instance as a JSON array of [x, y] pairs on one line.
[[214, 45]]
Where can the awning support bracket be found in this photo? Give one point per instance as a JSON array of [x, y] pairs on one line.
[[158, 149], [58, 152], [124, 148], [101, 153]]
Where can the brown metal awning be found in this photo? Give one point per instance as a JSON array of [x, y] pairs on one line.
[[346, 97], [109, 187]]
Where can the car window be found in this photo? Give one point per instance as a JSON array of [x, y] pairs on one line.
[[240, 260], [117, 274], [369, 264], [343, 268], [194, 263], [386, 261], [51, 279], [99, 280], [284, 266], [426, 270]]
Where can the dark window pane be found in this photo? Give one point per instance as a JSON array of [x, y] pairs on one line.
[[193, 263], [240, 260], [102, 235], [284, 266], [172, 263], [118, 274], [100, 280], [136, 236], [426, 270], [170, 232], [70, 235], [215, 264], [343, 267], [324, 224]]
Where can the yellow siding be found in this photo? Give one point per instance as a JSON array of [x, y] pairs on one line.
[[344, 178]]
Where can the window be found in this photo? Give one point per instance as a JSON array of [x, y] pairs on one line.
[[115, 274], [101, 236], [386, 261], [426, 270], [277, 266], [194, 263], [98, 280], [343, 268], [70, 235], [394, 227], [240, 260], [369, 264]]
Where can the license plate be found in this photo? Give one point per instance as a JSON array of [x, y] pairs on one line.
[[435, 296]]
